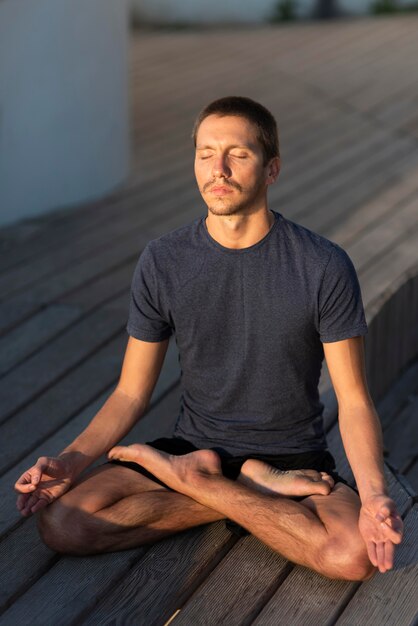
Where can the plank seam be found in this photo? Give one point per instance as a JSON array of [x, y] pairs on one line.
[[27, 585]]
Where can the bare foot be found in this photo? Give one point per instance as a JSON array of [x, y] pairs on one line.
[[268, 479], [182, 473]]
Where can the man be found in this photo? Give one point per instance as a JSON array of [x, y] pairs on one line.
[[255, 302]]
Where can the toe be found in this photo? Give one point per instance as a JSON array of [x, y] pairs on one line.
[[328, 479]]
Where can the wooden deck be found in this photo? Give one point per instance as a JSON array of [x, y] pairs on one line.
[[346, 98]]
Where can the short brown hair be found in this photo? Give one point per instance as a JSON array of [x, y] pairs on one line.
[[251, 110]]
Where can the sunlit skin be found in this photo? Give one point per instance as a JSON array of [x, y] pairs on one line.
[[331, 530]]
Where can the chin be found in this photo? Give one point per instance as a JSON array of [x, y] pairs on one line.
[[224, 210]]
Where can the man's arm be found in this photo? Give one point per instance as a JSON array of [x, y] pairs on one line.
[[380, 523], [50, 477]]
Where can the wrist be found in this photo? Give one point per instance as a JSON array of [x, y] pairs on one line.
[[371, 494], [75, 462], [373, 486]]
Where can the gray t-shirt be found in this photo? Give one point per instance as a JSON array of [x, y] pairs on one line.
[[249, 325]]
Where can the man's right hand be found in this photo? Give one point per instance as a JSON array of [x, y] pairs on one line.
[[43, 483]]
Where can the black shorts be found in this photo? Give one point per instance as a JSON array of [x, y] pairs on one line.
[[319, 460]]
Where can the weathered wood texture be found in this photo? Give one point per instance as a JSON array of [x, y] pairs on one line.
[[345, 95]]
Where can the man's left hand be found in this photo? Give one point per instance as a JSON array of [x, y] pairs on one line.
[[381, 527]]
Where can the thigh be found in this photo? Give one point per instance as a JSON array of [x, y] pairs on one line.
[[105, 485]]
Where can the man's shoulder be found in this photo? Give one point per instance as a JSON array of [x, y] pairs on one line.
[[178, 251], [178, 237], [307, 241]]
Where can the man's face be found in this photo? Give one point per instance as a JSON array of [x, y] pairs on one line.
[[229, 165]]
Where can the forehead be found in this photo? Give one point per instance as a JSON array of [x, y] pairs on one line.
[[228, 130]]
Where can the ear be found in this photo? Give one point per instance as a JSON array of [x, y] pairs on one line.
[[273, 170]]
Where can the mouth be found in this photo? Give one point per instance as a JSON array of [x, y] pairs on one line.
[[220, 190]]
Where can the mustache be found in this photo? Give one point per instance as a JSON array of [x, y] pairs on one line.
[[225, 183]]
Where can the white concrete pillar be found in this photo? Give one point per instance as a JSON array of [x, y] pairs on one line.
[[64, 135]]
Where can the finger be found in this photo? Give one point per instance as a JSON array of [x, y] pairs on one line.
[[389, 555], [386, 510], [380, 552], [42, 464], [397, 524], [371, 551], [25, 488], [391, 534], [31, 501], [21, 501], [24, 483], [41, 504]]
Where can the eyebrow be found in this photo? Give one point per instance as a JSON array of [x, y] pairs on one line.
[[247, 147]]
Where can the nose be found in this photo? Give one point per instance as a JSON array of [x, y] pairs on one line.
[[220, 167]]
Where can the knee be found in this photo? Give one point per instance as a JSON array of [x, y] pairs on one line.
[[347, 560], [66, 532]]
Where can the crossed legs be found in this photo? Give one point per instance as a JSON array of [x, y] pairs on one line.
[[115, 508]]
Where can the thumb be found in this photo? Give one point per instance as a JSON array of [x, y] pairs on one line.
[[44, 463], [385, 510]]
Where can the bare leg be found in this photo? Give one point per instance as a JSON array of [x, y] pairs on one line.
[[321, 532], [115, 508]]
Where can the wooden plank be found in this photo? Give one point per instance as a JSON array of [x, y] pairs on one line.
[[84, 246], [34, 333], [30, 559], [384, 280], [360, 146], [305, 599], [63, 354], [70, 586], [401, 437], [392, 340], [44, 326], [20, 306], [103, 290], [412, 474], [391, 198], [372, 245], [398, 396], [94, 241], [355, 187], [236, 590], [145, 590], [52, 410], [390, 598]]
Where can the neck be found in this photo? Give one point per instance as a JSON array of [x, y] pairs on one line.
[[240, 231]]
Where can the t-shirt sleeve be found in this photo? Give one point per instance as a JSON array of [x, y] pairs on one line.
[[341, 311], [148, 319]]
